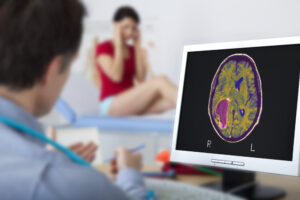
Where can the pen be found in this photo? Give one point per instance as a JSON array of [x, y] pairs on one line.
[[137, 148]]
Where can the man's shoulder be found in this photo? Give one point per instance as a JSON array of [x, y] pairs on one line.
[[30, 169], [19, 144], [19, 174], [35, 176]]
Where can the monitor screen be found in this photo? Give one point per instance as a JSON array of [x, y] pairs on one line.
[[240, 102]]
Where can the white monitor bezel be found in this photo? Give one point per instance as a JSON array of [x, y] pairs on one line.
[[251, 164]]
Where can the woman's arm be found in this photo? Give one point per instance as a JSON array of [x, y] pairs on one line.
[[139, 60], [113, 66]]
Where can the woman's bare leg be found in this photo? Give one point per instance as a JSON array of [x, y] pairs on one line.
[[160, 105], [168, 89], [137, 99]]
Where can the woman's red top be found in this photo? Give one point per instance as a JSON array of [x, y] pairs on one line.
[[108, 86]]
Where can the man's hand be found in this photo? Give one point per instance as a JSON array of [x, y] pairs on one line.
[[125, 160], [137, 38], [86, 151]]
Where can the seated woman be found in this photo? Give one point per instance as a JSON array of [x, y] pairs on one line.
[[122, 70]]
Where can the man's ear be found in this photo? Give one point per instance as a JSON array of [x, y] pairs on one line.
[[53, 68]]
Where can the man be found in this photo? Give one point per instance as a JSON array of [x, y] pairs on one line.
[[39, 39]]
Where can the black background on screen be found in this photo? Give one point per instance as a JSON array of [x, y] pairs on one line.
[[273, 137]]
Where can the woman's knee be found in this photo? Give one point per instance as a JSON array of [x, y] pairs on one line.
[[162, 78], [159, 80]]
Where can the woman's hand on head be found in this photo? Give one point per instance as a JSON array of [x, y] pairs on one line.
[[118, 35], [137, 38]]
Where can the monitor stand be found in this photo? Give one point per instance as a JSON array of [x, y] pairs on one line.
[[243, 184]]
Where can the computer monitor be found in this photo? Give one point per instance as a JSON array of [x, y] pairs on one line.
[[237, 106]]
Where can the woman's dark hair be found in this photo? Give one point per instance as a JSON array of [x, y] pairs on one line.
[[126, 11], [32, 33]]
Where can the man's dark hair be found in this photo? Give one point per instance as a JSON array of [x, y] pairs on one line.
[[32, 33], [126, 11]]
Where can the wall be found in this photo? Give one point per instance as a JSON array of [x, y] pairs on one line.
[[170, 24], [178, 22]]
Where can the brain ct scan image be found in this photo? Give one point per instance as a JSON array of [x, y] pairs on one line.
[[235, 101]]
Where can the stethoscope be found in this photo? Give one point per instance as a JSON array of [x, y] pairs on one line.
[[29, 131]]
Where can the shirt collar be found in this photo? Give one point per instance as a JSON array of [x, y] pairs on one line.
[[13, 111]]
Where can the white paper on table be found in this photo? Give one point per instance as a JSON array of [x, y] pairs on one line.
[[68, 136]]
